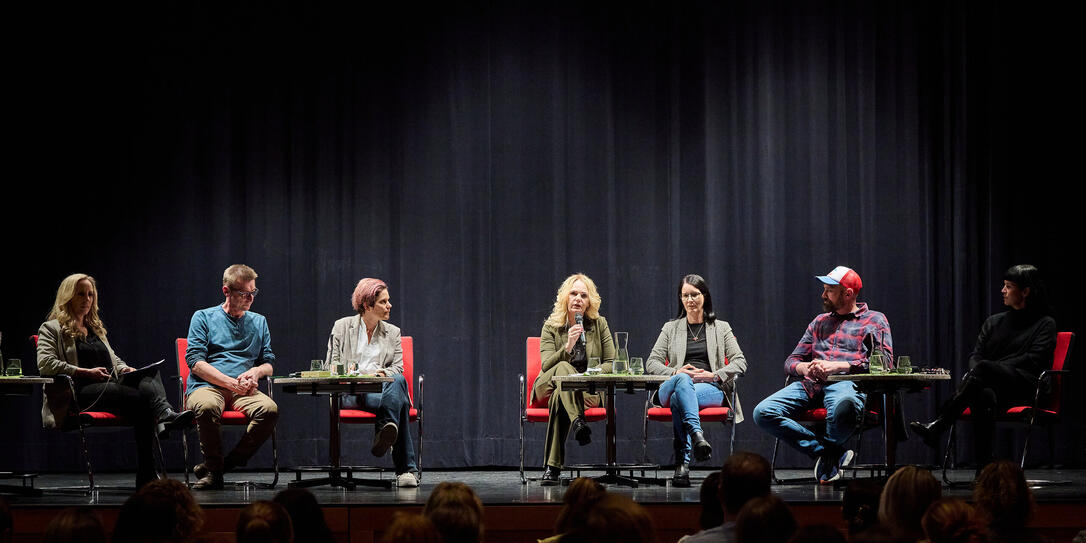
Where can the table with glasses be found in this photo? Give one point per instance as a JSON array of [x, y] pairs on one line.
[[335, 388], [886, 386], [610, 383], [20, 386]]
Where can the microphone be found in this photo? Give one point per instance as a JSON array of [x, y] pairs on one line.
[[579, 318]]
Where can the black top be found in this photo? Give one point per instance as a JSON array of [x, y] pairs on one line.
[[697, 352], [1021, 339], [92, 353]]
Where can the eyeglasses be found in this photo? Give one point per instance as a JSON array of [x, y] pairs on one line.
[[691, 296], [244, 293]]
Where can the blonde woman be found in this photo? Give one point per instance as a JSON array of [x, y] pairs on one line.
[[73, 342], [563, 351]]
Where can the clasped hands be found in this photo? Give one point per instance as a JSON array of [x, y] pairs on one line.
[[697, 374], [245, 384], [818, 370]]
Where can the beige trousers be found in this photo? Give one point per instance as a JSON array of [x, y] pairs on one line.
[[209, 402]]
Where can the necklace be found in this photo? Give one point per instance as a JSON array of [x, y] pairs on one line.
[[694, 336]]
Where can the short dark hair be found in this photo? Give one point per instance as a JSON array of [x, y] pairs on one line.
[[765, 519], [744, 476], [1028, 276], [699, 283], [712, 511]]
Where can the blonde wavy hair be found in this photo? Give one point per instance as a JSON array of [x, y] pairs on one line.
[[63, 315], [560, 314]]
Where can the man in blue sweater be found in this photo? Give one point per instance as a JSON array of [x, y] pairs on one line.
[[229, 350]]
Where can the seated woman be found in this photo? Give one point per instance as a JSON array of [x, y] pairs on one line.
[[368, 345], [705, 361], [574, 332], [1012, 350], [73, 342]]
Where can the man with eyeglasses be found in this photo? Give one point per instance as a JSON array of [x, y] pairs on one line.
[[229, 350], [838, 341]]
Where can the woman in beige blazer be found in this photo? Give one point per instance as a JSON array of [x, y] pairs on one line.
[[73, 342], [705, 361]]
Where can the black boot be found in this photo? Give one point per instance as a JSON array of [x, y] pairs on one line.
[[948, 414], [702, 449], [581, 431], [682, 473]]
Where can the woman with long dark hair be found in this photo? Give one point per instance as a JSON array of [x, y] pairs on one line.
[[705, 361]]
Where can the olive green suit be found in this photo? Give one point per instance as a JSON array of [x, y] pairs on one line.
[[566, 406]]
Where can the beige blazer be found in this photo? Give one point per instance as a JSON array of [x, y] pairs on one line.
[[344, 339], [57, 356], [721, 344]]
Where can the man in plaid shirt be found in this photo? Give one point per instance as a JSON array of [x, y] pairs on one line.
[[838, 341]]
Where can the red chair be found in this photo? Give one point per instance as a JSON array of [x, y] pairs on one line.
[[358, 416], [230, 417], [63, 390], [538, 411], [722, 414], [1045, 409]]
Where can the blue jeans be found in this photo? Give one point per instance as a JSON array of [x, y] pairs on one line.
[[392, 405], [775, 415], [685, 398]]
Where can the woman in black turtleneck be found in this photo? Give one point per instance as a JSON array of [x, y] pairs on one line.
[[1013, 348]]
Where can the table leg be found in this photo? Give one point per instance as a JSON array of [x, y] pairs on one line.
[[889, 426]]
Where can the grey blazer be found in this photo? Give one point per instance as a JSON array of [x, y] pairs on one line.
[[57, 355], [344, 339], [721, 344]]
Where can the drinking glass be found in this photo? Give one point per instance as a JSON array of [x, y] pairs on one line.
[[593, 365], [316, 365], [877, 363], [15, 368], [637, 366], [339, 368], [904, 365]]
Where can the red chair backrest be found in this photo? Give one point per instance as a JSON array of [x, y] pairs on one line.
[[1064, 340], [182, 345], [408, 345], [533, 364]]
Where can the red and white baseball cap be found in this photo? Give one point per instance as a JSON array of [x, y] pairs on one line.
[[844, 276]]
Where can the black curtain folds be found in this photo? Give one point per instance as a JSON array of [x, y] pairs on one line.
[[473, 155]]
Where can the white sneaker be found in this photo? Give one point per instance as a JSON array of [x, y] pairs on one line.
[[383, 438], [407, 479]]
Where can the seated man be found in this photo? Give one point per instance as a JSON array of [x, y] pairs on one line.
[[838, 341], [229, 351]]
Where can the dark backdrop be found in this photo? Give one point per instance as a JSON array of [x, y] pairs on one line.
[[473, 155]]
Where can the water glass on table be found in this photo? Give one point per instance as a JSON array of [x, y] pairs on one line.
[[904, 365], [876, 364], [15, 368], [593, 366], [637, 366]]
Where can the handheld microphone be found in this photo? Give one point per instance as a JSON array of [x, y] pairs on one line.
[[579, 318]]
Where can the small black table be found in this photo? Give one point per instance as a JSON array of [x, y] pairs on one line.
[[20, 386], [886, 385], [335, 388], [609, 383]]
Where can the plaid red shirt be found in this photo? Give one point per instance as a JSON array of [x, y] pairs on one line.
[[840, 338]]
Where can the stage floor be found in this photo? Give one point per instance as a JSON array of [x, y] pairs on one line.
[[498, 487]]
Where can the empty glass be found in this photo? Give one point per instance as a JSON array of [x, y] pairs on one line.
[[637, 366], [316, 365], [15, 368]]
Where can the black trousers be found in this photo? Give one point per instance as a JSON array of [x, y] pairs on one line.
[[141, 400]]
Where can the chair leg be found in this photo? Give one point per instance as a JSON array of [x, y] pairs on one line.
[[86, 458], [645, 435], [1025, 447], [275, 460], [523, 479], [950, 442], [185, 454], [773, 462]]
